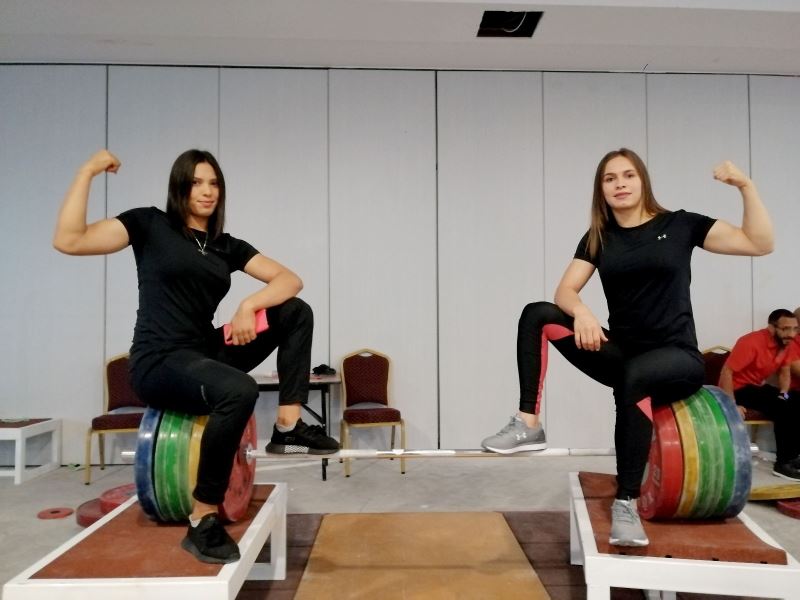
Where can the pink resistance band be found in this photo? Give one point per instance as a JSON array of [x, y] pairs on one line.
[[553, 332]]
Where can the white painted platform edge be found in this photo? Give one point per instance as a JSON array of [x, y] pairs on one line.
[[224, 585], [674, 574]]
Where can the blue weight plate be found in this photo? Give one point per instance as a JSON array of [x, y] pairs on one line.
[[741, 452], [143, 468]]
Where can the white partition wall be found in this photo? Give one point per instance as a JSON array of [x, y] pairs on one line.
[[694, 123], [775, 152], [491, 243], [274, 151], [274, 148], [585, 116], [154, 114], [51, 120], [334, 173], [383, 234]]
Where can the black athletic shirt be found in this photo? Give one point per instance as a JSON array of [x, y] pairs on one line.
[[179, 288], [646, 272]]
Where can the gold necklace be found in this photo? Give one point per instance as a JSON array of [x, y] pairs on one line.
[[201, 249]]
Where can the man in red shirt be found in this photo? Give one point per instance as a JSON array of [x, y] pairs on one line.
[[753, 359]]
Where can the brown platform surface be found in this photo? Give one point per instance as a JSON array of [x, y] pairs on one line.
[[131, 545], [702, 539], [418, 555]]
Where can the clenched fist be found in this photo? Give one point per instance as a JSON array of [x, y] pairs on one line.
[[729, 173]]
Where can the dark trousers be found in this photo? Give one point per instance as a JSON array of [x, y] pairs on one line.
[[662, 374], [216, 383], [785, 416]]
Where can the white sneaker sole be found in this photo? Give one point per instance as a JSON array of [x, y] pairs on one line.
[[786, 477], [524, 448]]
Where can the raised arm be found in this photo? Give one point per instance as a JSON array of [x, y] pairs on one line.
[[588, 332], [73, 235], [755, 236]]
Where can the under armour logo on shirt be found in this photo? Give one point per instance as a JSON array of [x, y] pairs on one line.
[[663, 236]]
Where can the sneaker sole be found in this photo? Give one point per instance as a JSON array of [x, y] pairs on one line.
[[289, 449], [629, 543], [524, 448], [190, 547], [786, 477]]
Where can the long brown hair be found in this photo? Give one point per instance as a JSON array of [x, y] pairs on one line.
[[600, 211], [180, 186]]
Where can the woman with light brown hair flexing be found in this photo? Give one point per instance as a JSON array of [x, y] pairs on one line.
[[649, 353]]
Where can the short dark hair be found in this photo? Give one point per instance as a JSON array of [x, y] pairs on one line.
[[779, 313], [181, 178]]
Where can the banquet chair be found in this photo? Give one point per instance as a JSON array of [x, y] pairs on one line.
[[122, 412], [365, 398]]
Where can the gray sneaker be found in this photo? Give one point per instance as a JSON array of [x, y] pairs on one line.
[[626, 527], [516, 437]]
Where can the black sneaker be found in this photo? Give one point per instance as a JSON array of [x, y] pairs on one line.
[[209, 542], [788, 470], [303, 439]]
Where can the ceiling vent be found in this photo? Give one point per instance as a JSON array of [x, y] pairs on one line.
[[499, 23]]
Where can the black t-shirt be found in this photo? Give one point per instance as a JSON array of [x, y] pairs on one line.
[[179, 288], [646, 272]]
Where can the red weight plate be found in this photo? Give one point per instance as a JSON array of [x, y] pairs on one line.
[[240, 485], [55, 513], [111, 499], [790, 508], [89, 512], [663, 479]]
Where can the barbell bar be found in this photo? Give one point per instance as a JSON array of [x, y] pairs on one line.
[[361, 453], [358, 453]]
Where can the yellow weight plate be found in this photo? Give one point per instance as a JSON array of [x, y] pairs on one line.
[[198, 428], [691, 459]]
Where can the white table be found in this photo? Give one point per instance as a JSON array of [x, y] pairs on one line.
[[19, 432]]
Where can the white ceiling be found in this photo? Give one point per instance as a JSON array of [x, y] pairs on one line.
[[707, 36]]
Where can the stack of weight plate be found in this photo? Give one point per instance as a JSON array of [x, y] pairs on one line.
[[699, 465], [167, 455]]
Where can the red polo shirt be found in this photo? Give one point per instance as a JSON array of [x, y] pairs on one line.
[[755, 357]]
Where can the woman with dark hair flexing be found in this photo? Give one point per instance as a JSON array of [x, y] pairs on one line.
[[179, 361], [649, 352]]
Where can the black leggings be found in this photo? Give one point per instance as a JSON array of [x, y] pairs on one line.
[[785, 415], [216, 383], [662, 374]]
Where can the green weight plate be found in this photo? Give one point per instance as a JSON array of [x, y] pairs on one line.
[[726, 447], [161, 471], [691, 458], [171, 465], [714, 468], [181, 484]]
